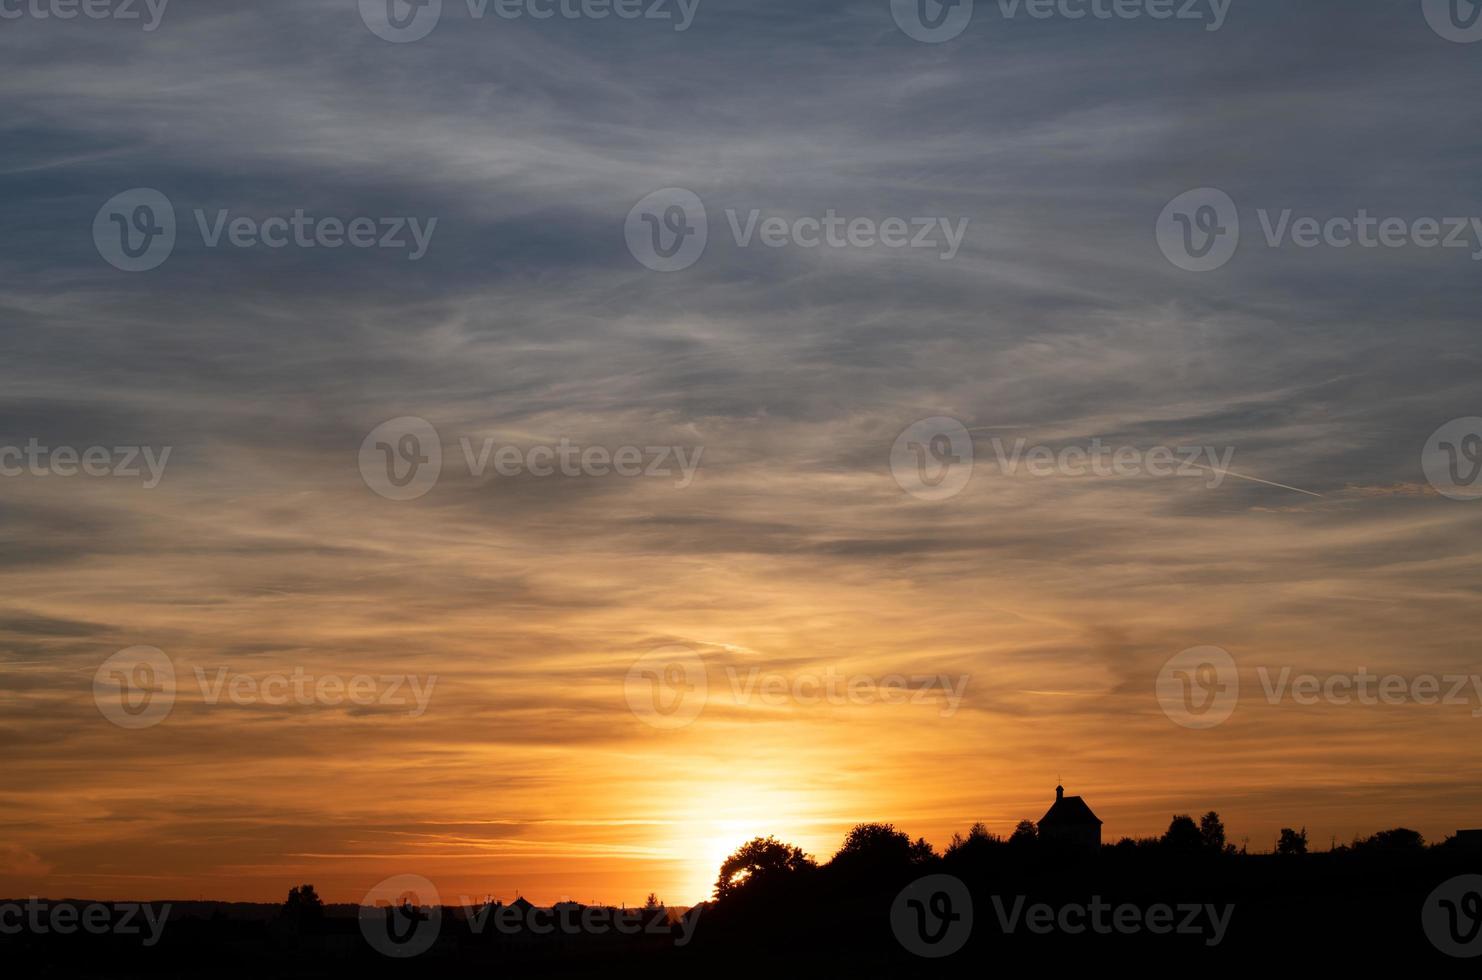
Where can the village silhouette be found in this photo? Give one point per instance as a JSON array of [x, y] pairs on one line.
[[1051, 891]]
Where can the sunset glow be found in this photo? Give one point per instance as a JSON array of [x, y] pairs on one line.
[[560, 558]]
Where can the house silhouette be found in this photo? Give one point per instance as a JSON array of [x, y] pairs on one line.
[[1469, 840], [1070, 823]]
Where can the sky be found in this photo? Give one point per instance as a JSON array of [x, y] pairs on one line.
[[780, 544]]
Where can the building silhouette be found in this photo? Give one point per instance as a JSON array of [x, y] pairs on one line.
[[1069, 822]]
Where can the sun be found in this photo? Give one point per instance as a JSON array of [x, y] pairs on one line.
[[718, 840], [721, 821]]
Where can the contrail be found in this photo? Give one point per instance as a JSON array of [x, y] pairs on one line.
[[1256, 479]]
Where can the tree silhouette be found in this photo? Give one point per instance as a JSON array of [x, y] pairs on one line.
[[1292, 841], [760, 861], [1025, 833], [1212, 832], [977, 840], [304, 909], [1183, 834], [881, 845]]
